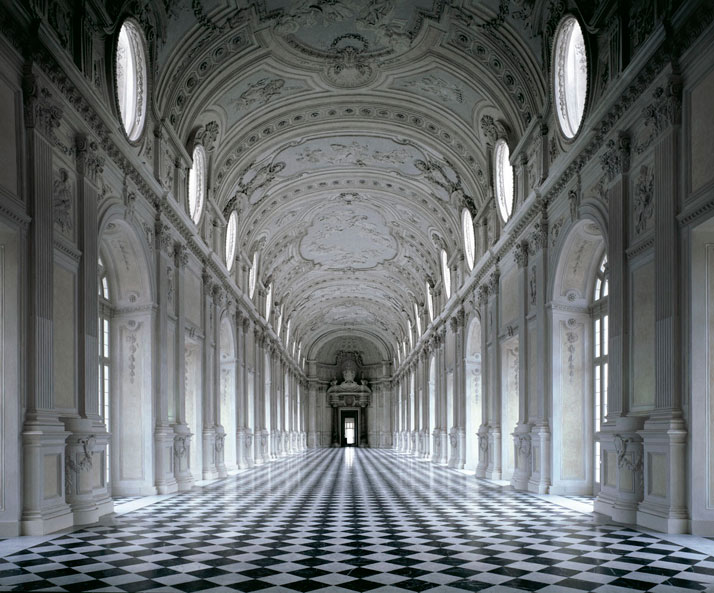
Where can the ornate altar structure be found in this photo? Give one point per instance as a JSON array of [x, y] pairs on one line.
[[349, 401]]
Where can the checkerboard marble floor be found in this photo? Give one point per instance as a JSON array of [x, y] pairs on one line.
[[355, 520]]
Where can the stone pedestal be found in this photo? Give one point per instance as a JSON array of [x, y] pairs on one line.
[[523, 449], [44, 507], [622, 483], [493, 470], [664, 506], [83, 470], [483, 444], [182, 455], [539, 480], [209, 454], [220, 451]]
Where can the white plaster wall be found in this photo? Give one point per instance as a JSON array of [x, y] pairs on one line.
[[509, 404], [10, 384], [643, 337], [65, 339], [702, 384]]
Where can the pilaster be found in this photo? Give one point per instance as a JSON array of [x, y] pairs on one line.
[[43, 437]]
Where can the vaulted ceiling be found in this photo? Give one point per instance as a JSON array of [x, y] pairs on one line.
[[350, 138]]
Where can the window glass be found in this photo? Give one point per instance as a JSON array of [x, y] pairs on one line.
[[197, 184], [131, 79], [231, 229], [446, 273], [467, 224], [571, 76], [504, 180], [252, 275], [430, 302]]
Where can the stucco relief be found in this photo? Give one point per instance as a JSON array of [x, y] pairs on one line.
[[348, 237]]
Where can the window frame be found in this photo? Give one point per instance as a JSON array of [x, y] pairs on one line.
[[197, 186], [502, 159], [559, 79], [469, 237], [139, 57]]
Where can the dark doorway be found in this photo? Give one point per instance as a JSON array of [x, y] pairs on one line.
[[349, 428]]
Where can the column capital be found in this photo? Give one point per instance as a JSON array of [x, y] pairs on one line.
[[89, 161], [616, 159], [520, 254]]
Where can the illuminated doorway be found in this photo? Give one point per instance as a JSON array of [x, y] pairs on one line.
[[349, 428]]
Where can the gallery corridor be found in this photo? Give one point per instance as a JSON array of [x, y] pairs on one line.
[[355, 520]]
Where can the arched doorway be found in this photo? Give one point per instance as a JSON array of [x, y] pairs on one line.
[[125, 358], [473, 392], [580, 363]]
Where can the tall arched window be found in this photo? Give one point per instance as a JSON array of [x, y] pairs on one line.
[[429, 302], [231, 229], [467, 225], [131, 79], [446, 273], [504, 179], [418, 319], [287, 332], [409, 333], [104, 354], [197, 184], [570, 71], [600, 355]]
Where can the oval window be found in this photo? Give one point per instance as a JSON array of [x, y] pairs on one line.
[[231, 230], [446, 273], [504, 180], [571, 75], [467, 225], [429, 302], [131, 79], [197, 184], [252, 276]]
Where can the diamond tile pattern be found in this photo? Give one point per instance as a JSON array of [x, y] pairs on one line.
[[355, 520]]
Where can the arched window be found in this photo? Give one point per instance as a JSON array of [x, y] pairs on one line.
[[504, 179], [600, 354], [280, 320], [252, 276], [467, 225], [446, 273], [131, 79], [231, 229], [429, 302], [409, 333], [104, 352], [417, 318], [268, 302], [570, 71], [197, 184], [287, 332]]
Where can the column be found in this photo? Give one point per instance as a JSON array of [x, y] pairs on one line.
[[665, 432], [87, 490], [425, 436], [443, 415], [248, 402], [483, 430], [219, 302], [457, 434], [209, 471], [493, 471], [522, 436], [312, 438], [182, 433], [43, 437], [620, 443], [540, 479], [261, 434]]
